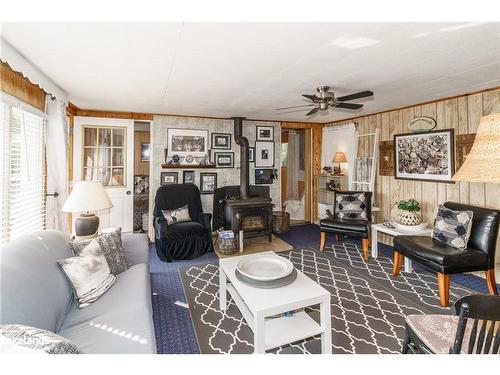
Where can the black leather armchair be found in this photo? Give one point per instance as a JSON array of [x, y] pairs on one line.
[[184, 240], [347, 226], [445, 260]]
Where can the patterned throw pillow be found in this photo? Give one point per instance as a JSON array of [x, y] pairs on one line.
[[18, 338], [88, 273], [176, 216], [112, 246], [351, 206], [452, 227]]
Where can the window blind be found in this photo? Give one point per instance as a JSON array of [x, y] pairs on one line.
[[23, 171]]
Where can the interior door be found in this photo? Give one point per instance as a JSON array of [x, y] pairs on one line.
[[104, 151]]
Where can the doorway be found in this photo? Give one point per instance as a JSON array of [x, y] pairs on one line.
[[296, 174], [142, 156]]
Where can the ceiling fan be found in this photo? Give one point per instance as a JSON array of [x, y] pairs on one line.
[[325, 99]]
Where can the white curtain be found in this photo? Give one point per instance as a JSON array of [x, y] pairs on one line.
[[340, 138], [293, 167], [57, 163]]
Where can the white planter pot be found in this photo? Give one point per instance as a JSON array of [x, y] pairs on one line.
[[409, 218]]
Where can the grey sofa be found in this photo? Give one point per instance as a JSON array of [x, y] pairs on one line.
[[35, 292]]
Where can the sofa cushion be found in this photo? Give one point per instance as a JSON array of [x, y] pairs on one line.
[[16, 337], [452, 227], [121, 321], [88, 274], [111, 243], [33, 290], [186, 229]]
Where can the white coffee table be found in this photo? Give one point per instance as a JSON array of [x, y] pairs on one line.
[[394, 232], [257, 304]]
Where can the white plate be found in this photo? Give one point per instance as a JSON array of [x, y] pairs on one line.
[[265, 268], [410, 228]]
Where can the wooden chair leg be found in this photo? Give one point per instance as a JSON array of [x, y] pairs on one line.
[[490, 281], [365, 244], [398, 262], [444, 289], [322, 240], [336, 237]]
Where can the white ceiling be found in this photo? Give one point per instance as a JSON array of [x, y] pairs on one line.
[[236, 69]]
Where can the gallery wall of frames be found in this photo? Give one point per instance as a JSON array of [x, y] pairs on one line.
[[203, 151]]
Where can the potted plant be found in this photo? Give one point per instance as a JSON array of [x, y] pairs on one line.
[[408, 214]]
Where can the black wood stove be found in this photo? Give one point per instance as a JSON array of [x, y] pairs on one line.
[[247, 215]]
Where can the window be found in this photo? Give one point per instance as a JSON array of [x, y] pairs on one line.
[[104, 155], [22, 168]]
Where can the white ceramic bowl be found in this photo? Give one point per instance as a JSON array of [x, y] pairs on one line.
[[410, 228], [265, 268]]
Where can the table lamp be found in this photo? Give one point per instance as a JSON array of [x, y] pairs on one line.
[[339, 158], [483, 162], [87, 196]]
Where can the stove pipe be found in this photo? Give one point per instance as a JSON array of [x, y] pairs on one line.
[[244, 164]]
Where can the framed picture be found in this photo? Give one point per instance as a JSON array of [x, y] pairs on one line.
[[264, 133], [145, 151], [187, 142], [224, 159], [221, 141], [251, 154], [169, 178], [263, 176], [208, 183], [264, 154], [188, 177], [428, 156]]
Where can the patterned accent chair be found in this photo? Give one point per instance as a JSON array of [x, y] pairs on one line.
[[351, 217], [445, 259], [474, 329]]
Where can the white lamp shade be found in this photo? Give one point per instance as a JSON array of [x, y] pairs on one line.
[[87, 196]]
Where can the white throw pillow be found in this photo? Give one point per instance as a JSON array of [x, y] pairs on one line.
[[88, 273], [178, 215]]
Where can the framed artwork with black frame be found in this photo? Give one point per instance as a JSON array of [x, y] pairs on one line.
[[188, 177], [425, 156], [264, 154], [187, 142], [208, 183], [251, 154], [221, 141], [145, 151], [169, 178], [264, 133], [263, 176], [224, 159]]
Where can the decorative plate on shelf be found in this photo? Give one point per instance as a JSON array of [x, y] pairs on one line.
[[265, 268]]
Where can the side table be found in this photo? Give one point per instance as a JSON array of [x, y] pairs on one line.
[[376, 228]]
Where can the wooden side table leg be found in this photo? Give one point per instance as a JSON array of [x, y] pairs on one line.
[[322, 240]]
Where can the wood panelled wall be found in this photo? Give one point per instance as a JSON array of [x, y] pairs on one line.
[[140, 167], [317, 136], [15, 84], [460, 113]]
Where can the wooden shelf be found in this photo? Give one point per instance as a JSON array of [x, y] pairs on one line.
[[187, 166]]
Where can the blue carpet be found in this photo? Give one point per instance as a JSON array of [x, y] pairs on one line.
[[173, 326]]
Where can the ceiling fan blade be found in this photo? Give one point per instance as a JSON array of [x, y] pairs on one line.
[[314, 98], [362, 94], [312, 111], [295, 106], [349, 105]]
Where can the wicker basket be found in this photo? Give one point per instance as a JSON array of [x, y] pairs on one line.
[[281, 222], [227, 246]]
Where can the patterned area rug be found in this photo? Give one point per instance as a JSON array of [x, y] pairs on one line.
[[368, 305]]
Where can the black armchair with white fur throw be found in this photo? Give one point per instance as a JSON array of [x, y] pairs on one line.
[[182, 230]]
